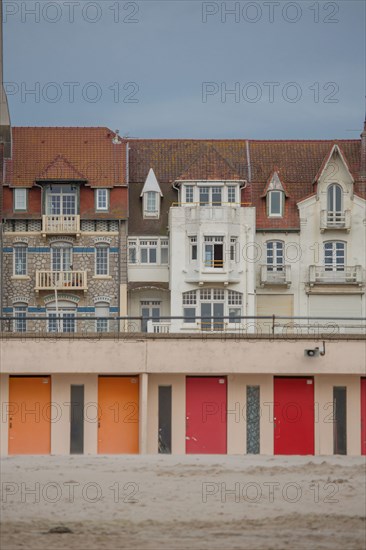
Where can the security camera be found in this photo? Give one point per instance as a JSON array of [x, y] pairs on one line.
[[312, 352]]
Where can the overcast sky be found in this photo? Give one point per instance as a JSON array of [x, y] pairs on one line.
[[165, 68]]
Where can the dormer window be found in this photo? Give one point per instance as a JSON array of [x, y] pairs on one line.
[[151, 204], [275, 203], [151, 195], [334, 202], [102, 200], [61, 200]]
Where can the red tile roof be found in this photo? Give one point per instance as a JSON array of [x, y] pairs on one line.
[[63, 153], [297, 162], [209, 165]]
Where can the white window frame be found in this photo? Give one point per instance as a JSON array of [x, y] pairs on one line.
[[65, 311], [338, 250], [103, 247], [189, 190], [23, 260], [193, 249], [63, 192], [20, 310], [230, 189], [102, 199], [149, 213], [20, 199], [210, 241], [270, 196], [62, 246], [193, 299], [102, 309], [278, 251], [159, 244]]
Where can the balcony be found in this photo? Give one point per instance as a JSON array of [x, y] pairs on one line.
[[335, 220], [61, 225], [341, 275], [61, 280], [276, 276]]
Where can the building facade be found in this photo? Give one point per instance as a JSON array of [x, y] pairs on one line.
[[64, 230], [238, 268]]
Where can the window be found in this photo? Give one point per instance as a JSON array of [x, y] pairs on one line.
[[151, 204], [214, 304], [20, 260], [216, 196], [334, 255], [189, 193], [149, 251], [204, 196], [20, 322], [102, 199], [189, 300], [61, 200], [101, 312], [233, 249], [214, 252], [231, 194], [20, 200], [61, 257], [164, 251], [132, 252], [275, 203], [150, 311], [334, 203], [193, 248], [275, 256], [62, 318], [102, 260]]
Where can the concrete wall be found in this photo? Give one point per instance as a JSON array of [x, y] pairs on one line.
[[162, 354]]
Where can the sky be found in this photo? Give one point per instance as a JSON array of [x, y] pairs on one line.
[[188, 69]]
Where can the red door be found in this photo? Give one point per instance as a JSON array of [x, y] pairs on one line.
[[206, 403], [293, 416], [363, 416]]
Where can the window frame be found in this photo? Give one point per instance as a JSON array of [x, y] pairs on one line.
[[20, 325], [334, 256], [102, 324], [270, 196], [98, 192], [16, 248], [151, 213], [15, 199], [99, 247], [277, 246]]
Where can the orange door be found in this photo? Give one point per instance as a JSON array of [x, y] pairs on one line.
[[29, 415], [118, 423]]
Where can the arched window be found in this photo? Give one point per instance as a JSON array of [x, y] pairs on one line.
[[101, 312], [334, 255], [61, 256], [334, 202], [20, 313], [61, 316]]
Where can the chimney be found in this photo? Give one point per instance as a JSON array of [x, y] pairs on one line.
[[363, 153]]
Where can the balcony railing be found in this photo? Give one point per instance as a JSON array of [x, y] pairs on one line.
[[335, 220], [216, 264], [338, 275], [275, 275], [61, 280], [61, 225]]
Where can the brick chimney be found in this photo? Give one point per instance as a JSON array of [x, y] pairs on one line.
[[363, 153]]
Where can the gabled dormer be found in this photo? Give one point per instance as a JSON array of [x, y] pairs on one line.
[[151, 195], [275, 194], [334, 191]]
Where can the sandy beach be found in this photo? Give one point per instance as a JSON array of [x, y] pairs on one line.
[[183, 502]]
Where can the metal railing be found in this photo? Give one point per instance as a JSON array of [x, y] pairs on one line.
[[251, 326]]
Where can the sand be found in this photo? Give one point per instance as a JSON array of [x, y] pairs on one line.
[[183, 502]]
